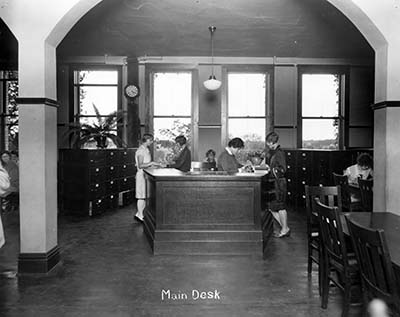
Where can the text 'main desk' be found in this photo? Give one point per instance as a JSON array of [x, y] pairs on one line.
[[203, 212]]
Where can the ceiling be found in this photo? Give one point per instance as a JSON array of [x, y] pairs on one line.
[[255, 28]]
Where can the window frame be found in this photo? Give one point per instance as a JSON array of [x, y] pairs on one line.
[[4, 114], [150, 70], [74, 111], [246, 69], [343, 73]]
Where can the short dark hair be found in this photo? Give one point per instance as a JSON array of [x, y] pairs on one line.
[[210, 151], [272, 137], [364, 159], [147, 136], [180, 139], [4, 152], [236, 143]]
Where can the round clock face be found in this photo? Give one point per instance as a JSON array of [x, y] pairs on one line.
[[131, 91]]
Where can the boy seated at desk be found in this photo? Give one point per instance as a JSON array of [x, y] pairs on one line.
[[363, 169]]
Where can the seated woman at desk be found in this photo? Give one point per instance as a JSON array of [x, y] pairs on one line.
[[183, 159], [363, 169], [227, 160], [209, 162]]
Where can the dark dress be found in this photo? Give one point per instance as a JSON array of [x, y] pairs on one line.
[[277, 162], [227, 162], [183, 161]]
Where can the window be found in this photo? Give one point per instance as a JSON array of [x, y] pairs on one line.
[[246, 110], [96, 88], [9, 109], [172, 111], [321, 111]]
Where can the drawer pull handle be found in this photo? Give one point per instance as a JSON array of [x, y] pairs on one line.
[[97, 169], [97, 185]]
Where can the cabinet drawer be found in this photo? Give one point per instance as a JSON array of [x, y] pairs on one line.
[[98, 174], [113, 157], [97, 190], [113, 171], [128, 156], [127, 170], [112, 186], [97, 206], [127, 183]]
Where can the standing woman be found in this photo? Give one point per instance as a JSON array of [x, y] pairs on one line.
[[143, 160], [275, 158]]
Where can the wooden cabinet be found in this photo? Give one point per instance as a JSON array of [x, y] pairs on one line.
[[93, 181], [314, 168]]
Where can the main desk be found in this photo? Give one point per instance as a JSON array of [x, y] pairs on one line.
[[204, 212]]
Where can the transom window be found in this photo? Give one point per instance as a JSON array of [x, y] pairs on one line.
[[246, 110], [172, 111], [9, 109], [321, 110]]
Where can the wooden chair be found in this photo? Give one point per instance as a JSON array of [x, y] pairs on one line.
[[330, 196], [366, 193], [348, 202], [376, 268], [339, 267]]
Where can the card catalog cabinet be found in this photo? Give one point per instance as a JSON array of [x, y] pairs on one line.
[[93, 181], [315, 168]]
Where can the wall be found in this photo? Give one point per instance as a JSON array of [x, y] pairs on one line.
[[210, 129]]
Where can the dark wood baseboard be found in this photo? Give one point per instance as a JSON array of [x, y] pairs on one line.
[[38, 262]]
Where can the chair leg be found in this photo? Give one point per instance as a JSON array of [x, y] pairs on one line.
[[320, 272], [325, 282], [346, 298], [309, 265]]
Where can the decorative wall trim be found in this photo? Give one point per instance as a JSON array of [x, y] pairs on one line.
[[37, 101], [385, 104], [38, 262]]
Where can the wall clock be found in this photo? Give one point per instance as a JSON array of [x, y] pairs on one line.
[[131, 91]]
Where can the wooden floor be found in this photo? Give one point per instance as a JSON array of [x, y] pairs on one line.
[[108, 270]]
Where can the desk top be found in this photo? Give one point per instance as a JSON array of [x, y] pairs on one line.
[[387, 221], [174, 174]]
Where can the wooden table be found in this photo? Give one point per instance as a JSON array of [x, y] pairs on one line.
[[387, 221], [204, 212]]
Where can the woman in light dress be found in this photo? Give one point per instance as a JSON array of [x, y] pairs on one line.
[[143, 160]]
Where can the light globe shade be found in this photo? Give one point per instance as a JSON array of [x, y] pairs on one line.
[[212, 83]]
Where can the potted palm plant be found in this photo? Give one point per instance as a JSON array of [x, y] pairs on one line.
[[100, 131]]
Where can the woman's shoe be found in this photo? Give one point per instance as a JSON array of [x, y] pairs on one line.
[[138, 219], [283, 234]]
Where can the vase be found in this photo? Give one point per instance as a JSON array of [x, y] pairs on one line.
[[101, 142]]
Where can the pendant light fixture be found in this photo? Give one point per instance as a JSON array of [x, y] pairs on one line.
[[212, 83]]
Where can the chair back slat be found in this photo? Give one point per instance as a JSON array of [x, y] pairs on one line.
[[366, 193], [343, 182], [332, 232], [375, 264], [328, 195]]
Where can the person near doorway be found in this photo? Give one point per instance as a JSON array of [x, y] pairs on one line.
[[10, 199], [143, 160], [4, 185], [276, 160]]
